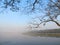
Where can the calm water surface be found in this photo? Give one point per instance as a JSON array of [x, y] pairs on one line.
[[16, 38]]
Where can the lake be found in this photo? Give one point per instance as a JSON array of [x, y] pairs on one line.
[[17, 38]]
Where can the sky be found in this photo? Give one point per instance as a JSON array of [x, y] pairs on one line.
[[13, 18], [18, 20], [9, 19]]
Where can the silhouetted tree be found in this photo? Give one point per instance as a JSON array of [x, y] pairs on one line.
[[51, 9], [52, 12]]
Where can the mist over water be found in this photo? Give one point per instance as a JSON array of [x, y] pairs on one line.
[[17, 38], [14, 36]]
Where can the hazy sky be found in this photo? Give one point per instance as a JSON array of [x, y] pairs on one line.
[[19, 20], [13, 19]]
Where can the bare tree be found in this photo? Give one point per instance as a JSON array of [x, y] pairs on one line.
[[51, 9], [17, 4], [52, 12]]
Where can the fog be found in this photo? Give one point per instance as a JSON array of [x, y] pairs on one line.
[[12, 29]]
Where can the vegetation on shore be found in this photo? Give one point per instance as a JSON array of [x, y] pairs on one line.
[[45, 33]]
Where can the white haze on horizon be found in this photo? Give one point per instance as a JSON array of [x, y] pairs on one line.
[[12, 29], [23, 28]]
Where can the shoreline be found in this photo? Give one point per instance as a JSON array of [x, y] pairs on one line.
[[45, 33]]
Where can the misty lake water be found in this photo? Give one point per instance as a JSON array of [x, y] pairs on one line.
[[17, 38]]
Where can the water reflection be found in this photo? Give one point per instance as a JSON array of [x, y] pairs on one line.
[[16, 38]]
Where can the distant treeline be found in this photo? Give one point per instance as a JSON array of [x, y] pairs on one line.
[[50, 31], [47, 31]]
